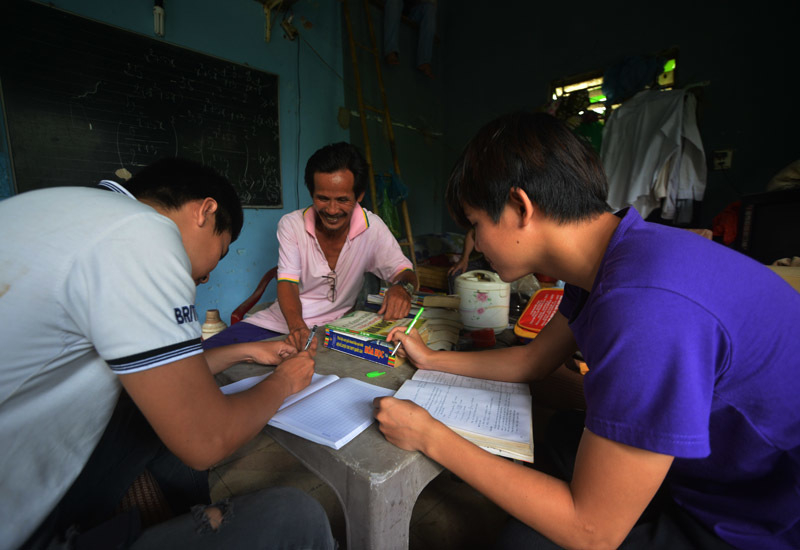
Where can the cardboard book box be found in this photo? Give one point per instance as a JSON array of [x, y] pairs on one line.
[[363, 334]]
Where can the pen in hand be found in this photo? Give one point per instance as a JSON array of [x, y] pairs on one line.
[[410, 326], [310, 337]]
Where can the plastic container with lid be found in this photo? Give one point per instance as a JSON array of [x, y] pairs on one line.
[[484, 300]]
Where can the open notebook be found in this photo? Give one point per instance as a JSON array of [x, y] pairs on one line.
[[330, 410]]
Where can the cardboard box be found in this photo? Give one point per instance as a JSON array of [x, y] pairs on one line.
[[363, 334], [363, 347], [432, 276], [789, 274]]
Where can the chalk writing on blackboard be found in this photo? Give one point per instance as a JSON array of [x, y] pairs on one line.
[[86, 101]]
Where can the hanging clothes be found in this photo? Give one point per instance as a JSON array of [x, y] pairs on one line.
[[653, 155]]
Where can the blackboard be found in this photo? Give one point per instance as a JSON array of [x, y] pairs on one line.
[[85, 101]]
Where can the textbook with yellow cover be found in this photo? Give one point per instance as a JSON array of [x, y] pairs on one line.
[[363, 334]]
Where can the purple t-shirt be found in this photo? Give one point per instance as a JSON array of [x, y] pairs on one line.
[[693, 351]]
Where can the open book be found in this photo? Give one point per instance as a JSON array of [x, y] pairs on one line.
[[330, 410], [495, 416]]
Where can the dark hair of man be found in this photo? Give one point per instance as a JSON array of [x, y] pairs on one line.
[[335, 157], [172, 182], [537, 153]]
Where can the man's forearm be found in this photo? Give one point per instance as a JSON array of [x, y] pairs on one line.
[[531, 496], [407, 276], [222, 357], [505, 364], [533, 361], [291, 307], [193, 417]]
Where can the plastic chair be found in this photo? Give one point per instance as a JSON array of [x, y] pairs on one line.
[[239, 313]]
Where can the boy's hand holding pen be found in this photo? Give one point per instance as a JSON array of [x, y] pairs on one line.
[[410, 326]]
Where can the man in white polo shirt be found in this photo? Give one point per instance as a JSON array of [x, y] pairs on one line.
[[324, 252], [97, 292]]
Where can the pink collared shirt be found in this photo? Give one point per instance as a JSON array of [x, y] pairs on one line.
[[369, 247]]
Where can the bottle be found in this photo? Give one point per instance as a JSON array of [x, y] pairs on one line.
[[213, 324]]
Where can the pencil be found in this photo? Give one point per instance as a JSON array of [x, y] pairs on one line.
[[410, 326]]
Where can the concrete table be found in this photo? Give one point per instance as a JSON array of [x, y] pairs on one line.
[[376, 482]]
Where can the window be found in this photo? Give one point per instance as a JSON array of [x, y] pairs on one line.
[[590, 86]]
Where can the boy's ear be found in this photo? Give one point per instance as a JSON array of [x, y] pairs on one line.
[[522, 204], [206, 209]]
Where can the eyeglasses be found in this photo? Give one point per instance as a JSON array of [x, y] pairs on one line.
[[331, 277]]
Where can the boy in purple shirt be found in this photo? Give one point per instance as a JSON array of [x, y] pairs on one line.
[[691, 347]]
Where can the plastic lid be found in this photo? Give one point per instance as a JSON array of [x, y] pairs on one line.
[[540, 309]]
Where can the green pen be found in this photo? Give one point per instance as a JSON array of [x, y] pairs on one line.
[[409, 328]]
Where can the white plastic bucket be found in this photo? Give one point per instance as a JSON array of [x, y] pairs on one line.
[[484, 300]]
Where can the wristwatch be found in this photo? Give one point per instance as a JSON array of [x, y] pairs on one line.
[[408, 287]]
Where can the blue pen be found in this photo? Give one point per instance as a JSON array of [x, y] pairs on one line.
[[409, 328]]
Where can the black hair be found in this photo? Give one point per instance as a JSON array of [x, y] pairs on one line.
[[171, 182], [335, 157], [537, 153]]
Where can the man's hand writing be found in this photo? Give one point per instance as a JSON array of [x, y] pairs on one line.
[[295, 373], [298, 337]]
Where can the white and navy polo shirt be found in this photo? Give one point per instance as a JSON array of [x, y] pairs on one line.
[[92, 285]]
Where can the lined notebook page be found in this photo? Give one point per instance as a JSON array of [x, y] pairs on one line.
[[334, 415], [459, 381], [318, 381]]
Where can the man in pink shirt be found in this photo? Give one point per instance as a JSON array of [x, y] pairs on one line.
[[325, 250]]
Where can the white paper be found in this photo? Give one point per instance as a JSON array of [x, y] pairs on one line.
[[334, 415], [318, 381], [323, 412], [457, 380], [501, 414]]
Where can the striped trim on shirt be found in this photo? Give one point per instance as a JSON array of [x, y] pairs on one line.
[[115, 187], [156, 357]]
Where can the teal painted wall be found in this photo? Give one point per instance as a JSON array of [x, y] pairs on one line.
[[416, 104], [309, 70]]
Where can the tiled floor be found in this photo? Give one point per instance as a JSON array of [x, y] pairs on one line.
[[449, 514]]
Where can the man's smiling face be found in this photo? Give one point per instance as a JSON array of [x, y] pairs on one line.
[[334, 200]]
